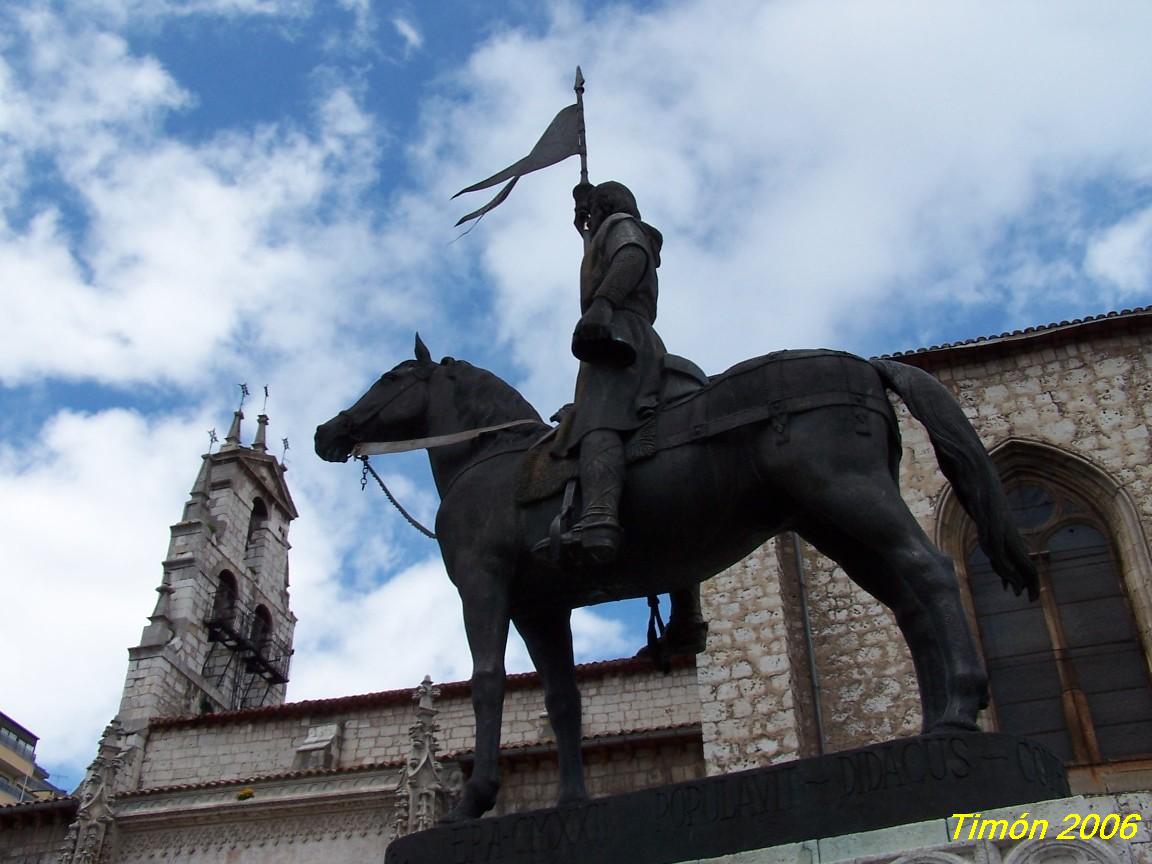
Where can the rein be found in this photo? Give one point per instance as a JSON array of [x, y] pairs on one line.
[[368, 469], [378, 448], [363, 450]]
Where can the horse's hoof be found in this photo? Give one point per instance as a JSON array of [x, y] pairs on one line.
[[456, 814], [476, 800]]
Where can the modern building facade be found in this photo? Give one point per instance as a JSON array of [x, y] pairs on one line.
[[21, 779]]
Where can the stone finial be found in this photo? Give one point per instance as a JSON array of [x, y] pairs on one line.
[[426, 694], [232, 439], [420, 797], [93, 831], [260, 443]]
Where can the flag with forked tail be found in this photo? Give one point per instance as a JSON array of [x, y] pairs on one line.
[[564, 137]]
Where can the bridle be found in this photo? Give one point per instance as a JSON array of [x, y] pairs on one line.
[[365, 449]]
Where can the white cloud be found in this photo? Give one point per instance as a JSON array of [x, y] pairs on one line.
[[81, 543], [386, 638], [413, 39], [185, 247], [811, 165], [128, 12], [1122, 254]]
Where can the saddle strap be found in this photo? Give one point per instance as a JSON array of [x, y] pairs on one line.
[[775, 408]]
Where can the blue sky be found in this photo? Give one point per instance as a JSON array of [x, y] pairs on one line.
[[198, 193]]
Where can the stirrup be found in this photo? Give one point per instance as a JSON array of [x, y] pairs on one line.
[[583, 546], [556, 549]]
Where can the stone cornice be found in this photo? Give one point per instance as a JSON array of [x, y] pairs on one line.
[[270, 798]]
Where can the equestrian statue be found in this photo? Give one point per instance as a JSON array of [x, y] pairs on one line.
[[658, 477]]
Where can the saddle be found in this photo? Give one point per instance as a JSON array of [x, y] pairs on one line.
[[543, 474], [772, 388]]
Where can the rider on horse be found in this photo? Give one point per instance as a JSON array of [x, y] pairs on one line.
[[618, 386]]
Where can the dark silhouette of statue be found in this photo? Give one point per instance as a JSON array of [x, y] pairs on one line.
[[803, 441], [618, 386]]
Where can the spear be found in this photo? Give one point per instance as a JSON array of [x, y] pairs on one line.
[[583, 136], [582, 143]]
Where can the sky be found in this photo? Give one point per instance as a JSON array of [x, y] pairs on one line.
[[199, 193]]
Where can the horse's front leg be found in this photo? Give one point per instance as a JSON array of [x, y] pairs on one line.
[[548, 637], [486, 623]]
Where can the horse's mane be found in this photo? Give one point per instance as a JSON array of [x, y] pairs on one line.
[[485, 398]]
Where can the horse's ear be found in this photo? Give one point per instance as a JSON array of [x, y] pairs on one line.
[[422, 352], [447, 361]]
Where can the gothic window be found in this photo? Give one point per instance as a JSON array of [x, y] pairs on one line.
[[1068, 670], [224, 603]]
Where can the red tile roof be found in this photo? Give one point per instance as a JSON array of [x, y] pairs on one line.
[[54, 809], [1061, 330]]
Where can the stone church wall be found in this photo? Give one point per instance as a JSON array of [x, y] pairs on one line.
[[374, 730], [746, 681]]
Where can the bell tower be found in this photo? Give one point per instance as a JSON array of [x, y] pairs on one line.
[[220, 637]]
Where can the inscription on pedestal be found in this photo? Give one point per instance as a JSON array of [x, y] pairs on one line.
[[908, 780]]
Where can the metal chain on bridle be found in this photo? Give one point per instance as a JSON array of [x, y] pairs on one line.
[[364, 450], [368, 469]]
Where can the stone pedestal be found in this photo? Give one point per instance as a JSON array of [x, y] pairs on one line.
[[907, 780]]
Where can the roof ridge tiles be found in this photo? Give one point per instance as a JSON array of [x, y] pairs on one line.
[[1034, 330]]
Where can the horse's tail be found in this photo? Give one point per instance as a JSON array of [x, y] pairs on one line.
[[966, 464]]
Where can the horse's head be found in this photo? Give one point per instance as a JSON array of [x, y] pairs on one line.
[[395, 408]]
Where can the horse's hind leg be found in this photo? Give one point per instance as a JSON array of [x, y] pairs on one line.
[[548, 637], [911, 618], [879, 532]]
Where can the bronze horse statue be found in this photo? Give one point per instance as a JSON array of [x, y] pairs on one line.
[[804, 441]]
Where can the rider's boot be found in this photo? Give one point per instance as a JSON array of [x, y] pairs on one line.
[[601, 485]]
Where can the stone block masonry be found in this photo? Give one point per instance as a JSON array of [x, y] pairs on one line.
[[618, 697]]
